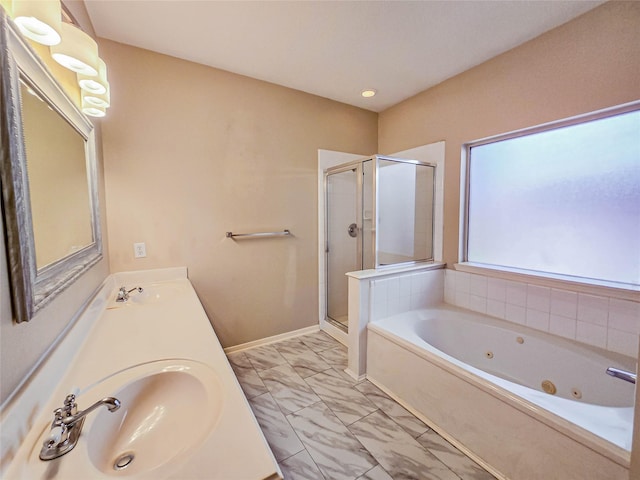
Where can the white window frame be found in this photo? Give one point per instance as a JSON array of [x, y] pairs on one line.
[[597, 287]]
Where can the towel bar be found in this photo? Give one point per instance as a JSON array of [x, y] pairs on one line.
[[259, 234]]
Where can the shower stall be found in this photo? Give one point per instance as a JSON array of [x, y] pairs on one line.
[[378, 212]]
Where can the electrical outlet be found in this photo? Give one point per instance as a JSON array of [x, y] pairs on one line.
[[139, 250]]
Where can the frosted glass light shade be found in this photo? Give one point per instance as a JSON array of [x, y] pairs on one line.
[[77, 51], [97, 99], [92, 85], [93, 111], [38, 20], [97, 85]]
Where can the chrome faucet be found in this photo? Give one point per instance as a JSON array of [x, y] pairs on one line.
[[622, 374], [123, 293], [67, 426]]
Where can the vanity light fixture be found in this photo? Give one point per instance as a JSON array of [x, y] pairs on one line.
[[38, 20], [368, 93], [77, 51], [95, 91], [93, 111], [92, 84], [97, 99], [42, 21]]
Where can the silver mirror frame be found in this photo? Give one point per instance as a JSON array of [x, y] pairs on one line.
[[32, 289]]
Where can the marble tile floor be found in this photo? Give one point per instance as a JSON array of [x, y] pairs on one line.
[[322, 424]]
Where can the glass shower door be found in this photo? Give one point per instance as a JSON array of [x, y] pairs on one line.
[[404, 212], [343, 243]]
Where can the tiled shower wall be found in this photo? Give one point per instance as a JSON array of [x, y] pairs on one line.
[[605, 322]]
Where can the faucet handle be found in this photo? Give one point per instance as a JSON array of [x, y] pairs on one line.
[[123, 293], [70, 405], [58, 420], [59, 432], [58, 415]]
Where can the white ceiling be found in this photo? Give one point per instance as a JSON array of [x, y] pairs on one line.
[[334, 49]]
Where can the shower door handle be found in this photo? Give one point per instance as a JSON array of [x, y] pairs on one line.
[[353, 230]]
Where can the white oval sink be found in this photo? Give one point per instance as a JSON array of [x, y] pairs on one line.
[[168, 409], [163, 415]]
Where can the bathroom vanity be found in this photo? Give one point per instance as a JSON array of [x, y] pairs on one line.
[[182, 413]]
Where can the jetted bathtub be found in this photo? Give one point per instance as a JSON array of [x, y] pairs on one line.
[[525, 404]]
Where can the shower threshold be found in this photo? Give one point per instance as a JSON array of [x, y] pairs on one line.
[[342, 322]]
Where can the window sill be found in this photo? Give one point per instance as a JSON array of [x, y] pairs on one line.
[[392, 270], [563, 282]]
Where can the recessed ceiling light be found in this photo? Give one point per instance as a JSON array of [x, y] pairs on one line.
[[369, 92]]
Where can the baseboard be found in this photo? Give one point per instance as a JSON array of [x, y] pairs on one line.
[[273, 339]]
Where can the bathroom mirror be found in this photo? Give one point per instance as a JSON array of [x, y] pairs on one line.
[[49, 179]]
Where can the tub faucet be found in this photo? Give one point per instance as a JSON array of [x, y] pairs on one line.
[[123, 293], [622, 374], [67, 426]]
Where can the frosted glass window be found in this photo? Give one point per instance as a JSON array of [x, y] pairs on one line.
[[562, 201]]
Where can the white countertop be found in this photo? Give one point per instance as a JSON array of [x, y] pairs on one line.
[[172, 325]]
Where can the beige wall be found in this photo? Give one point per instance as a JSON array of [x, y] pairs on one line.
[[192, 152], [23, 345], [590, 63]]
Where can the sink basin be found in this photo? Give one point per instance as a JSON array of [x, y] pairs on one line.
[[168, 408], [163, 415]]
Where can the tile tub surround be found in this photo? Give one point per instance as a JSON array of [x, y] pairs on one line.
[[605, 322], [173, 326], [375, 294], [322, 424]]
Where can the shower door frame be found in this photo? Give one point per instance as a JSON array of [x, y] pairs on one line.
[[356, 165], [359, 166], [374, 224]]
